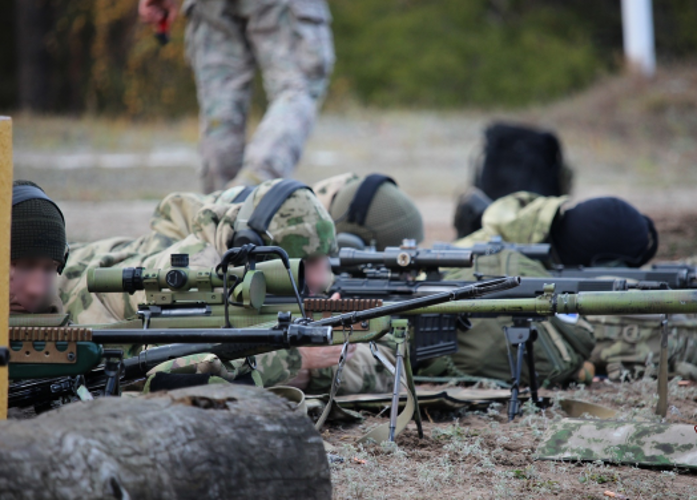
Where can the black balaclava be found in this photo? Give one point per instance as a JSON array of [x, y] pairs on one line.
[[604, 231]]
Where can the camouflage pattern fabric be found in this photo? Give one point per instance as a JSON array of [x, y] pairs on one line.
[[302, 226], [625, 345], [274, 368], [362, 374], [560, 350], [520, 217], [326, 189], [202, 227], [290, 41], [642, 444]]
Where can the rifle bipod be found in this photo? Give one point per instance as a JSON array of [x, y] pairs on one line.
[[113, 365], [522, 335], [403, 375]]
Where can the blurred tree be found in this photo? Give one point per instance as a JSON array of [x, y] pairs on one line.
[[8, 56], [78, 55], [33, 21]]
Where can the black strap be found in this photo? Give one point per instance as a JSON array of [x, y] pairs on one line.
[[24, 193], [243, 195], [271, 202], [358, 210], [163, 381]]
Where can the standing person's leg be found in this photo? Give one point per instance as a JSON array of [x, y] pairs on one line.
[[293, 46], [224, 67]]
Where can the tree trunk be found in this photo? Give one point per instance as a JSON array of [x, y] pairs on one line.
[[213, 441], [33, 22]]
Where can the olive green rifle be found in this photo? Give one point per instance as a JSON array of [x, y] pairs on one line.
[[231, 301]]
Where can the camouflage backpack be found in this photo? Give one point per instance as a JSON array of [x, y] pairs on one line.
[[562, 346]]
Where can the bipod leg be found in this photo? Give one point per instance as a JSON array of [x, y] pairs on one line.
[[514, 404], [398, 421], [400, 328], [412, 387], [662, 406], [530, 358], [516, 335], [112, 370], [394, 411]]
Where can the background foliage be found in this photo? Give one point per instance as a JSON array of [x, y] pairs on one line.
[[390, 53]]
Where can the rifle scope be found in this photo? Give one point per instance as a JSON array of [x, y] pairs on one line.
[[535, 251], [401, 259], [182, 279]]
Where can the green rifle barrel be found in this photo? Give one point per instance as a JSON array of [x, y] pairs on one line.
[[585, 303]]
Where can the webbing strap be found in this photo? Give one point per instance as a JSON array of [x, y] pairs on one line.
[[243, 195], [271, 202], [358, 210], [336, 382]]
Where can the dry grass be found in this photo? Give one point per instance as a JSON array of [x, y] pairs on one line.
[[480, 455]]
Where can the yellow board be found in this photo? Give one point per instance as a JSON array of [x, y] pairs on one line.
[[5, 224]]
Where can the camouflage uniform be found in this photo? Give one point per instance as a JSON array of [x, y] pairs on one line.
[[624, 344], [521, 217], [562, 346], [291, 43], [201, 226], [327, 189]]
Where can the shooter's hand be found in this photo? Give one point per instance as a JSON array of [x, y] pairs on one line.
[[318, 357], [157, 11]]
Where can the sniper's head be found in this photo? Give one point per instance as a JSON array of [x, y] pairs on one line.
[[32, 283], [603, 231], [38, 248], [296, 222]]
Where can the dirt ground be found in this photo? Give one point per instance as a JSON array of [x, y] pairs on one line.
[[623, 137], [478, 454]]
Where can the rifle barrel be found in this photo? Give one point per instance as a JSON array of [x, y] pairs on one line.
[[295, 335], [394, 308], [585, 303]]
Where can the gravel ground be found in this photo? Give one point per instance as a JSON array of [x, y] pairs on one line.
[[478, 454]]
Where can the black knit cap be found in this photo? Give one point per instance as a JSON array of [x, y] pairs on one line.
[[604, 231], [38, 229]]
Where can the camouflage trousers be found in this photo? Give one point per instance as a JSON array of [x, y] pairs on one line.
[[362, 373], [290, 41]]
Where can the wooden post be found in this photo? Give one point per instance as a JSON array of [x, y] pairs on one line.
[[5, 224]]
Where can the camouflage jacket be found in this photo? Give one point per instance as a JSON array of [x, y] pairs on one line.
[[625, 345], [520, 217], [562, 346], [191, 223]]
